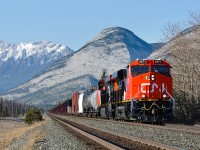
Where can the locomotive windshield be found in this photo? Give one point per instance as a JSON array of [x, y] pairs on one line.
[[137, 70], [161, 69]]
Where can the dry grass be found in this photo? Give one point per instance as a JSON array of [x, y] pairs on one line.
[[31, 140], [9, 130], [13, 129]]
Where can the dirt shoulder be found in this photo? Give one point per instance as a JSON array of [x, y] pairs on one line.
[[15, 134]]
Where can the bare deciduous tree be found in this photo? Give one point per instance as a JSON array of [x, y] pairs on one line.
[[185, 56], [194, 17], [171, 30]]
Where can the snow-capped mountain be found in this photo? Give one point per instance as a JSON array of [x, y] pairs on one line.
[[19, 63], [114, 48]]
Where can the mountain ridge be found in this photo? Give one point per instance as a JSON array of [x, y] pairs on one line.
[[84, 67], [19, 63]]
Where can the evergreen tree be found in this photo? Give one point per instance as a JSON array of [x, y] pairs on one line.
[[103, 75], [5, 112]]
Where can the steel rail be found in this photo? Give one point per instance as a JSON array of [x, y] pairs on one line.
[[132, 139]]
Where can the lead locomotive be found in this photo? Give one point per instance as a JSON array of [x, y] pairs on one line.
[[142, 92]]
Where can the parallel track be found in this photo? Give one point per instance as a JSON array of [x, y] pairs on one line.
[[111, 140], [174, 127]]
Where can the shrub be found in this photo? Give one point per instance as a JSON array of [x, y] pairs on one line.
[[33, 115]]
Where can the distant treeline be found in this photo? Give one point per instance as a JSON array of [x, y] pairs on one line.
[[10, 108]]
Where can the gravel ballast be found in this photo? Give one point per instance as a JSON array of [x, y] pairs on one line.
[[57, 138], [182, 140], [54, 137]]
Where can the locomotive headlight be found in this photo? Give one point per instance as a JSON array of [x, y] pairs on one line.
[[164, 95], [143, 96]]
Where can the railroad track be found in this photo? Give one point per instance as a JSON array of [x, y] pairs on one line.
[[174, 127], [111, 140], [184, 128], [86, 137]]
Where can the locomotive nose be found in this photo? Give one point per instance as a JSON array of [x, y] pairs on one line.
[[153, 88]]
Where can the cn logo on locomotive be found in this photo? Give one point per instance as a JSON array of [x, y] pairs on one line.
[[153, 86]]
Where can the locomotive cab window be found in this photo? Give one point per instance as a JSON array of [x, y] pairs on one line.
[[137, 70], [161, 69]]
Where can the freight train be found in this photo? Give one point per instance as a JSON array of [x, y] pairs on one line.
[[141, 92]]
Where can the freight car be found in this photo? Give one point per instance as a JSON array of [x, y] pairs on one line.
[[63, 108], [84, 103], [142, 92]]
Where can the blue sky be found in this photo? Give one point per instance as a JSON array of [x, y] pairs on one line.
[[74, 22]]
